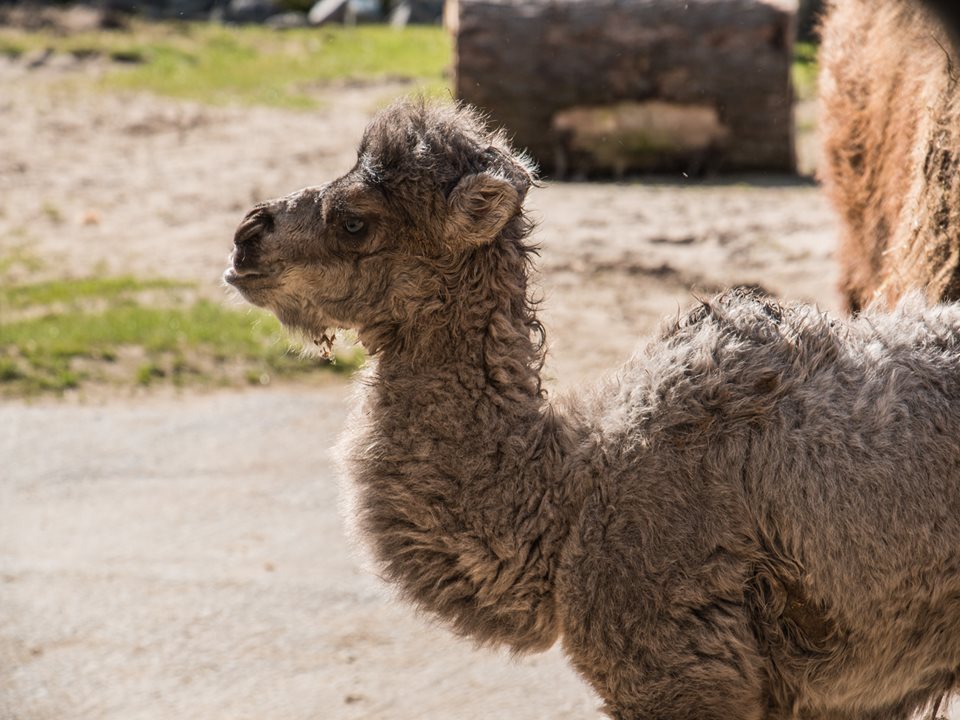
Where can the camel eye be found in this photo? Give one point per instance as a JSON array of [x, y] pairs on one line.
[[353, 225]]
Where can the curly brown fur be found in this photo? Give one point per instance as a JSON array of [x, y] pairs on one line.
[[891, 126], [758, 517]]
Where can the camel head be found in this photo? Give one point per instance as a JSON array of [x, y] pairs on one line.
[[381, 246]]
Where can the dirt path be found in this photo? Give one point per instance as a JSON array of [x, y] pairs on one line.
[[182, 557]]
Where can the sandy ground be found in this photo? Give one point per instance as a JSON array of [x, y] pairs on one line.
[[182, 556]]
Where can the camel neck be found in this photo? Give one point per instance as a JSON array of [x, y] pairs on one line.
[[473, 318], [463, 488], [497, 361]]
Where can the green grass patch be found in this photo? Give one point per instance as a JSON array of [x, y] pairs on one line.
[[73, 292], [11, 47], [805, 70], [59, 335], [251, 64]]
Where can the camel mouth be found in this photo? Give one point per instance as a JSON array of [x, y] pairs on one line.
[[240, 277]]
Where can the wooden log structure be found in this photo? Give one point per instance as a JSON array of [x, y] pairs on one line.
[[609, 87]]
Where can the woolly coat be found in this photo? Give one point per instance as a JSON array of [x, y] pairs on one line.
[[756, 517]]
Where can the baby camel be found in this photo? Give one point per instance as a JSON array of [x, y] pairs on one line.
[[756, 517]]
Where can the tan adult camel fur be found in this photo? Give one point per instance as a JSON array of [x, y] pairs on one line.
[[890, 120], [758, 516]]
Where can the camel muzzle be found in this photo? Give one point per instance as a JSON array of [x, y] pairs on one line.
[[247, 241]]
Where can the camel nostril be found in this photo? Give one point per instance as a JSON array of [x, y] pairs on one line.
[[243, 256], [257, 222]]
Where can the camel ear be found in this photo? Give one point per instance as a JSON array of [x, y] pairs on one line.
[[479, 207]]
